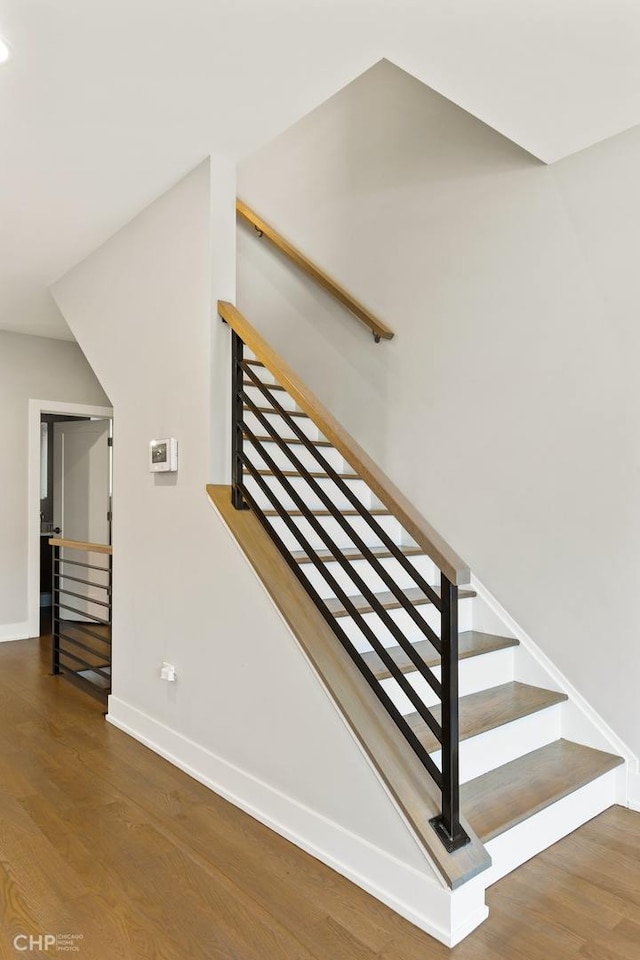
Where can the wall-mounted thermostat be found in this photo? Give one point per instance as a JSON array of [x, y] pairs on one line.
[[163, 455]]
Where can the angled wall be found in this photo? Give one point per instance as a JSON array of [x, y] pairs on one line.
[[506, 407], [247, 715]]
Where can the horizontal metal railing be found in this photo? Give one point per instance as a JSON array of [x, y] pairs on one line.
[[246, 446], [82, 607]]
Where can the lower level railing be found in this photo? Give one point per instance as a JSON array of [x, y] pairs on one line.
[[81, 623]]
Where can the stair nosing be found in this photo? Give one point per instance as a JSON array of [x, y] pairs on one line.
[[381, 553], [420, 728], [276, 413], [314, 443], [269, 386], [376, 512], [414, 595], [433, 660], [512, 769], [315, 474]]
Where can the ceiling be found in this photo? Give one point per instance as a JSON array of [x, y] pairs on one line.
[[106, 103]]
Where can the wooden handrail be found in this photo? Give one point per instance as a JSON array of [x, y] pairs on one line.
[[394, 500], [379, 329], [81, 545]]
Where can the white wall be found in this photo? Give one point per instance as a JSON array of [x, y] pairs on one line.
[[507, 405], [30, 368], [247, 713]]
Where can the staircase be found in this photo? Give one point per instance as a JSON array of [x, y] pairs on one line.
[[530, 763]]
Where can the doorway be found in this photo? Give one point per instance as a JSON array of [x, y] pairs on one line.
[[48, 526], [75, 478], [75, 494]]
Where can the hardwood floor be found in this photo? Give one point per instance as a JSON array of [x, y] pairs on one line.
[[101, 838]]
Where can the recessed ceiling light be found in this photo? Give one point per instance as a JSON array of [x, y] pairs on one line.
[[5, 52]]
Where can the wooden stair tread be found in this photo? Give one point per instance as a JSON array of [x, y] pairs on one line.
[[288, 440], [506, 796], [377, 512], [387, 600], [471, 643], [316, 474], [271, 410], [488, 709], [269, 386], [352, 553]]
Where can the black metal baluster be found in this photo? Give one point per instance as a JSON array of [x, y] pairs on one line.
[[110, 599], [237, 349], [447, 826], [353, 499], [55, 613], [376, 686]]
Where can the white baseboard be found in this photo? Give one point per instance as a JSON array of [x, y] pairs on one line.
[[633, 796], [417, 896], [15, 631], [468, 925]]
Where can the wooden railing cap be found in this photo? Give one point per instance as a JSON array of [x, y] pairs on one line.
[[81, 545]]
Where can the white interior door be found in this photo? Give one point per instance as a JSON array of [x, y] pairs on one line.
[[81, 480], [82, 499]]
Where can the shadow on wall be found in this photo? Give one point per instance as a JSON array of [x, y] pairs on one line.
[[359, 185], [504, 407]]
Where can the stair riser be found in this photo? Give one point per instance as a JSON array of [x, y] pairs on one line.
[[489, 750], [409, 628], [517, 845], [475, 674], [336, 497], [372, 579], [389, 524], [280, 396], [307, 426], [306, 457]]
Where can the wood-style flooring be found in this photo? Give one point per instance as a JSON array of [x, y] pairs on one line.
[[101, 838]]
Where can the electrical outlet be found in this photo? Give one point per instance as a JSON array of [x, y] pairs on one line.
[[168, 672]]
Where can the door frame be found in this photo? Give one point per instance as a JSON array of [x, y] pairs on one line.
[[36, 409]]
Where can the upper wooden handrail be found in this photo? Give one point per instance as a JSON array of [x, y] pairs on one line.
[[394, 500], [379, 329], [81, 545]]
